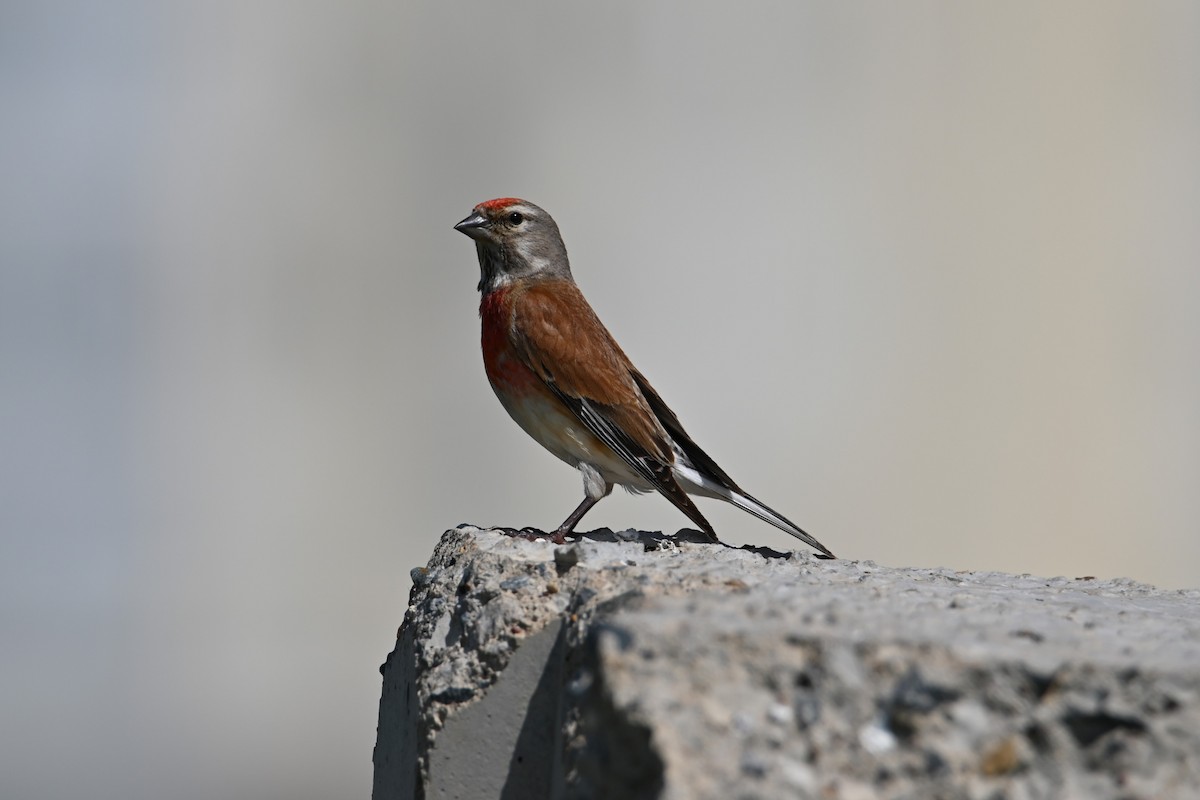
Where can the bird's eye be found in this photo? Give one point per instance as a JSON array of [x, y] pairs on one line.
[[516, 218]]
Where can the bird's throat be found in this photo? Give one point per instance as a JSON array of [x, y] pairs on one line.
[[493, 263]]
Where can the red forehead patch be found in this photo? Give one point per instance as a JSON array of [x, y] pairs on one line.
[[499, 202]]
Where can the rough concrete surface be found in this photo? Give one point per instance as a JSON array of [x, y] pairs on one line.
[[637, 665]]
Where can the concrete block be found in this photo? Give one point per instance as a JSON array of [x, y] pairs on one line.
[[637, 665]]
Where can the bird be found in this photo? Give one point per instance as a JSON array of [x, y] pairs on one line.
[[566, 382]]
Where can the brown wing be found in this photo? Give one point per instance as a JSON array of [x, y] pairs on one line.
[[559, 337]]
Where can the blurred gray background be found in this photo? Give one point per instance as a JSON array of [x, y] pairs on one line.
[[924, 276]]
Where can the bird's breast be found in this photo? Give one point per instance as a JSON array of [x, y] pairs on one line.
[[505, 371]]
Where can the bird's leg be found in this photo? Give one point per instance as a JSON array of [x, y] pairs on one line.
[[570, 522], [595, 488]]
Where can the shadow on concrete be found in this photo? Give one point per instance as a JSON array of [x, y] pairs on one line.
[[535, 769], [651, 540]]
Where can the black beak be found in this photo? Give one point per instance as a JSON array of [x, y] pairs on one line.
[[476, 220]]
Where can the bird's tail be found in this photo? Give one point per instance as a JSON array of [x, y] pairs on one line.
[[693, 480]]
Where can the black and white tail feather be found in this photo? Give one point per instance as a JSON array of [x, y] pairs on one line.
[[699, 474], [696, 483]]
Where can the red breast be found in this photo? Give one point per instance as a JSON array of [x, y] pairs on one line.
[[504, 369]]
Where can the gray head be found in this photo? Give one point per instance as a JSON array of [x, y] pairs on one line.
[[514, 239]]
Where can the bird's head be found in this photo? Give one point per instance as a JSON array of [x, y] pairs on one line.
[[514, 239]]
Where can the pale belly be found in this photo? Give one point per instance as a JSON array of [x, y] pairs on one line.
[[558, 430]]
